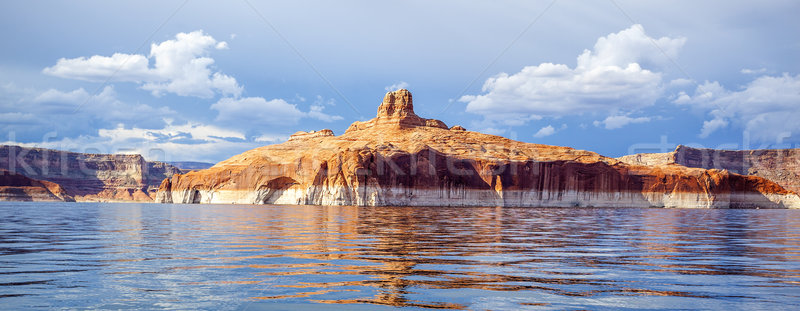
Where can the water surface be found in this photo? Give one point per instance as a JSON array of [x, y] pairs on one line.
[[235, 257]]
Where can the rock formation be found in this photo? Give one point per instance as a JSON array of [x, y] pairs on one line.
[[400, 159], [312, 134], [89, 177], [17, 187], [779, 165]]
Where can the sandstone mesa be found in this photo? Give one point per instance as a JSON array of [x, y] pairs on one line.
[[87, 176], [401, 159]]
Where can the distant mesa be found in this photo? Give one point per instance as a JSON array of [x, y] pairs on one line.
[[401, 159], [89, 176], [779, 165]]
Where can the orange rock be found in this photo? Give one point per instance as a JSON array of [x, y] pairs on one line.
[[779, 165], [398, 158], [17, 187]]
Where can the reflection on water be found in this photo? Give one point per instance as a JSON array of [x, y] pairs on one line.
[[116, 256]]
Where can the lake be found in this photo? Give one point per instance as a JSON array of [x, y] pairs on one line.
[[242, 257]]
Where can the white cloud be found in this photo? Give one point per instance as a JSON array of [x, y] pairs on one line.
[[119, 67], [608, 79], [269, 138], [615, 122], [74, 113], [181, 66], [248, 110], [188, 131], [103, 106], [316, 110], [711, 126], [767, 107], [237, 112], [545, 131], [175, 150], [316, 113], [753, 71], [397, 86]]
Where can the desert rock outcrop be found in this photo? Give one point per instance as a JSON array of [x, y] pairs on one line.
[[17, 187], [779, 165], [87, 176], [399, 158]]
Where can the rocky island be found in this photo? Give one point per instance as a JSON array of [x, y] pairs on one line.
[[401, 159]]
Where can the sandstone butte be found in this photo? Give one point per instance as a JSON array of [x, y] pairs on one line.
[[401, 159], [88, 176]]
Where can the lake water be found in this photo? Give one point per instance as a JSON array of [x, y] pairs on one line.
[[234, 257]]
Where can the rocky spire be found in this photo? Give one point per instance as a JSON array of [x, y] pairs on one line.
[[397, 110], [397, 105]]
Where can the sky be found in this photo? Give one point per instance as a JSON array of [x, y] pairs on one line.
[[179, 80]]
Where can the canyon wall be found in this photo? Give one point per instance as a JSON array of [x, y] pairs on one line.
[[17, 187], [89, 177], [779, 165], [400, 159]]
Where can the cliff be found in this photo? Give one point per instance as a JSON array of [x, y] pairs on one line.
[[17, 187], [399, 158], [89, 177], [779, 165]]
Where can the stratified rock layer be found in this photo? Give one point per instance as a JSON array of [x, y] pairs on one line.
[[401, 159], [17, 187], [779, 165], [89, 177]]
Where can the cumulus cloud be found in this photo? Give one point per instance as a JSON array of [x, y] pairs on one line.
[[397, 86], [609, 78], [767, 107], [549, 130], [615, 122], [250, 110], [317, 113], [76, 112], [180, 66], [271, 138], [316, 110], [545, 131], [188, 132]]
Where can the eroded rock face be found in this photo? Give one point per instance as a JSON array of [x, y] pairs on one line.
[[312, 134], [779, 165], [397, 110], [89, 177], [17, 187], [398, 159]]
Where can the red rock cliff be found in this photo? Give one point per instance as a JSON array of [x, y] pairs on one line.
[[779, 165], [89, 177], [399, 158], [17, 187]]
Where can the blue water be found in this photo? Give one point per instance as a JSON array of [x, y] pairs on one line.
[[234, 257]]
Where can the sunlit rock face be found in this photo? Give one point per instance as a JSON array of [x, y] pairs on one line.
[[17, 187], [88, 176], [401, 159], [779, 165]]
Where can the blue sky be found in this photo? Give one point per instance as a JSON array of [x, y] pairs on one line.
[[203, 80]]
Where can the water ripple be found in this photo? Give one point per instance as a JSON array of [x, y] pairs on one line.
[[153, 256]]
